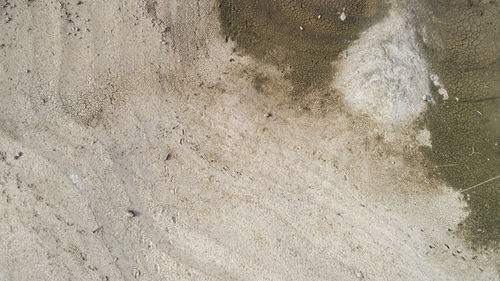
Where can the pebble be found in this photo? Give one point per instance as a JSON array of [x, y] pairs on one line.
[[343, 16], [132, 213], [427, 98]]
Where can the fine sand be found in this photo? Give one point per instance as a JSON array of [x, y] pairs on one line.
[[136, 143]]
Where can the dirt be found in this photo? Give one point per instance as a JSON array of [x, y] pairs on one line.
[[465, 128], [301, 38], [159, 143]]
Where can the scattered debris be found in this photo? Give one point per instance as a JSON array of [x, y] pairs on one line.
[[442, 91], [446, 165], [427, 98], [98, 230], [269, 114], [474, 186], [343, 16], [473, 152], [137, 273]]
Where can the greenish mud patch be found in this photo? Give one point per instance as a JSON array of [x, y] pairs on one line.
[[465, 130], [301, 38]]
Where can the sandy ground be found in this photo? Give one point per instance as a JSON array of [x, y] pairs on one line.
[[134, 145]]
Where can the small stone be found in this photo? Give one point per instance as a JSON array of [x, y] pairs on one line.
[[343, 16], [301, 27], [18, 155], [132, 213]]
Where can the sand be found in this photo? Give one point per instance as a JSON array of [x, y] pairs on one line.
[[134, 145]]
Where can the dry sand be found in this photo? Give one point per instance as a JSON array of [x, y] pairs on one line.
[[134, 145]]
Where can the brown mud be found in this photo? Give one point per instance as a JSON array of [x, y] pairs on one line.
[[464, 45], [301, 38]]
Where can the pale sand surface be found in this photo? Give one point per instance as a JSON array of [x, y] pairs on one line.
[[141, 106]]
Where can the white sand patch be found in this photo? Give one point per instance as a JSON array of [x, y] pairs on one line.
[[383, 74]]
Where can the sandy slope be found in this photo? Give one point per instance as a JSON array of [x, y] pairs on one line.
[[143, 107]]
